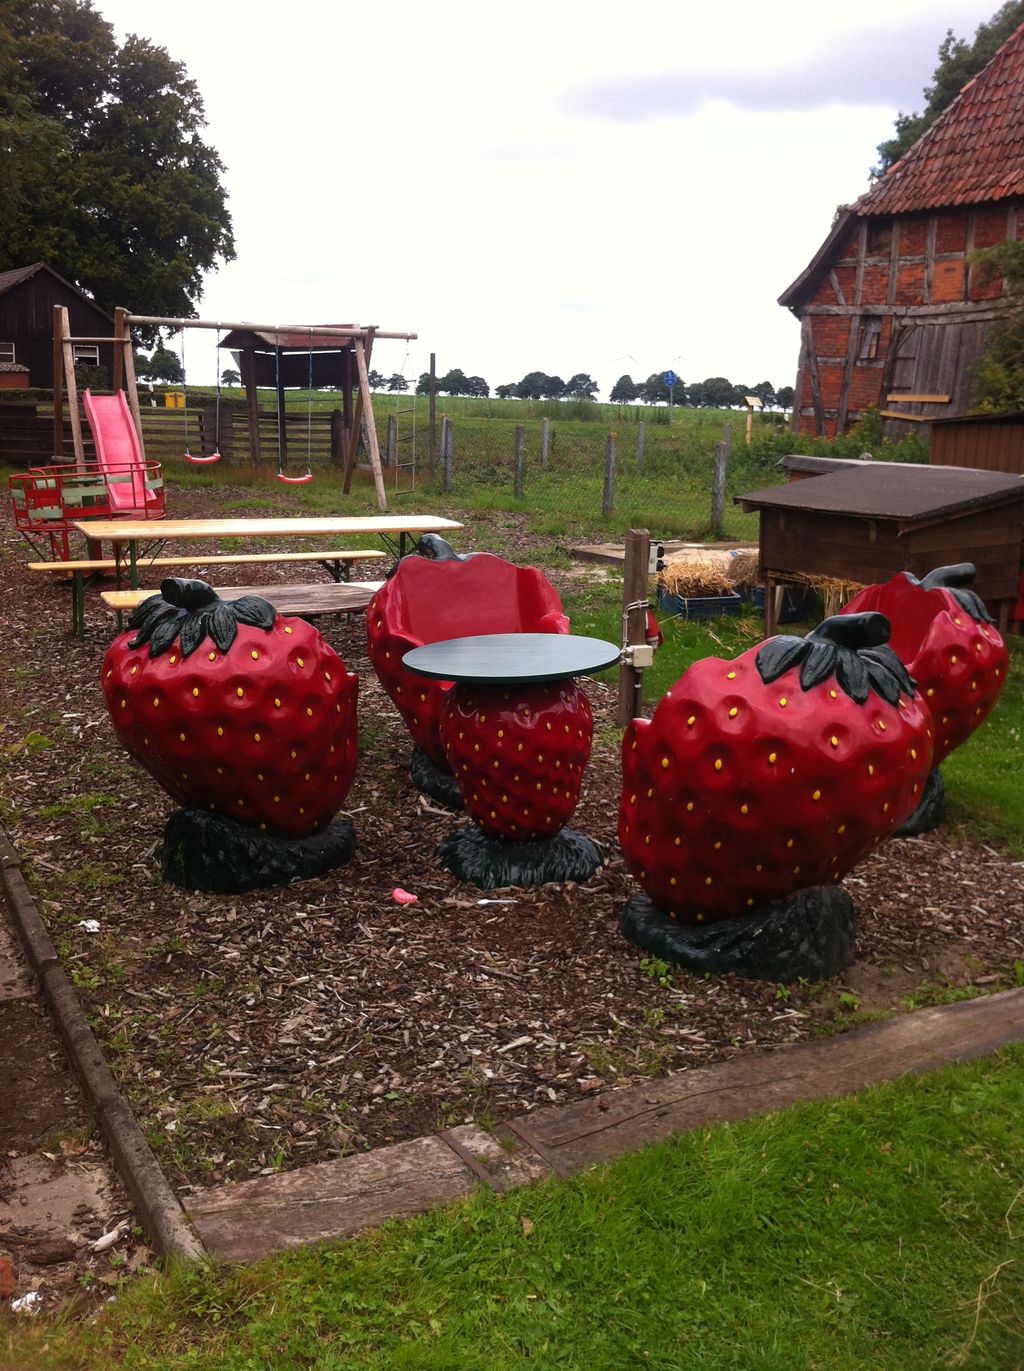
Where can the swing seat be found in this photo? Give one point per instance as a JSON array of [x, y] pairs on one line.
[[295, 480], [201, 461], [427, 601]]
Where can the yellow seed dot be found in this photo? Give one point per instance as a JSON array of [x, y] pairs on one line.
[[172, 659], [213, 656], [327, 675], [678, 841], [930, 692], [744, 809], [772, 757], [181, 737], [195, 692], [124, 704], [733, 713], [700, 918], [749, 903], [759, 867], [309, 711], [885, 807], [255, 737], [254, 655], [287, 629], [841, 828], [239, 692], [709, 880], [501, 733], [953, 659], [689, 807], [259, 775], [833, 694], [293, 754], [156, 701], [913, 753], [834, 741], [816, 795], [730, 675], [789, 842], [131, 673], [796, 871], [718, 763], [672, 880], [881, 724], [718, 846], [871, 769], [665, 762]]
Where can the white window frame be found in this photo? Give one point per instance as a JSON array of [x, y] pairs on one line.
[[89, 353], [7, 352]]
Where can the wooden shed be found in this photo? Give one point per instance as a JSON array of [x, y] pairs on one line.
[[863, 524], [27, 297], [892, 315], [991, 442]]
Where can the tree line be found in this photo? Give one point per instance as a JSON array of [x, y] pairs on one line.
[[716, 392]]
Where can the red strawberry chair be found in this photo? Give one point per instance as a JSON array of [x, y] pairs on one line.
[[428, 600], [756, 785], [245, 717], [949, 643]]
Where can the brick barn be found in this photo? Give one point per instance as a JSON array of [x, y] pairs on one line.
[[891, 314]]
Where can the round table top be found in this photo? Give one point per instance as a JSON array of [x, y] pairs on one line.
[[504, 658]]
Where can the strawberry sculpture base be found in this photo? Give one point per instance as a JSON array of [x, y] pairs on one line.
[[808, 935], [435, 781], [204, 851]]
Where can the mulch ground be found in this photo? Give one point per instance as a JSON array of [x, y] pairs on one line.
[[269, 1030]]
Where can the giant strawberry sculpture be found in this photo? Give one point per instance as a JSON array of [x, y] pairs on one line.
[[240, 714], [778, 771], [948, 641]]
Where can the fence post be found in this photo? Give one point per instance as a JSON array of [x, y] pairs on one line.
[[447, 444], [718, 483], [545, 440], [634, 619], [608, 498], [520, 470], [391, 442], [337, 437], [432, 434], [640, 447]]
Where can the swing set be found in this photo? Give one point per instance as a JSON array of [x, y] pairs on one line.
[[283, 356]]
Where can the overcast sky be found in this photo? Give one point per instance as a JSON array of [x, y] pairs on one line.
[[554, 186]]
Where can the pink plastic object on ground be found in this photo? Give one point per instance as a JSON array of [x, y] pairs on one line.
[[118, 450], [426, 602], [401, 896]]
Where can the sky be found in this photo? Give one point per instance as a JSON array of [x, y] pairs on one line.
[[561, 187]]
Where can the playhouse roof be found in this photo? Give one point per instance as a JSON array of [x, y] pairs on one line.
[[290, 340], [972, 154]]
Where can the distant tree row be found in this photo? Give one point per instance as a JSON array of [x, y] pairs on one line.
[[714, 393]]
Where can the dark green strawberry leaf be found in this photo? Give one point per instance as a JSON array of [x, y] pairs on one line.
[[885, 659], [778, 655], [852, 675], [883, 682], [193, 631], [958, 580], [819, 664], [165, 632], [223, 626], [254, 611]]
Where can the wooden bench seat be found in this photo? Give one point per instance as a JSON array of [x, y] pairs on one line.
[[336, 561], [307, 599]]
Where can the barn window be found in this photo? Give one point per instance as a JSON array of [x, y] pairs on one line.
[[7, 352], [88, 353], [870, 337]]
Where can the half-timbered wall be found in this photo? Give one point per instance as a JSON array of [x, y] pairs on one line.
[[897, 313]]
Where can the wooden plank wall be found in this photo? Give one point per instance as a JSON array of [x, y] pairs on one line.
[[987, 446]]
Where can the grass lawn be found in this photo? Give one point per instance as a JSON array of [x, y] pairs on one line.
[[881, 1231]]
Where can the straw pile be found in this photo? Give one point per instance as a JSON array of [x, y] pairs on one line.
[[694, 578], [835, 593], [744, 570]]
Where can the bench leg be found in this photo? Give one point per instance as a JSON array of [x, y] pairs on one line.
[[78, 604]]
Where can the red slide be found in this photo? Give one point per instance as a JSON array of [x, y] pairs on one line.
[[118, 453]]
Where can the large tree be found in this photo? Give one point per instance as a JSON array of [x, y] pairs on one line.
[[103, 172], [958, 62]]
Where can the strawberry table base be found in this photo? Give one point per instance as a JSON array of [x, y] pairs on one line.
[[808, 935]]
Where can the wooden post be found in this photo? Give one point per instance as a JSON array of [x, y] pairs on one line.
[[432, 439], [364, 391], [124, 372], [520, 466], [247, 366], [58, 384], [337, 437], [545, 441], [640, 447], [68, 351], [750, 424], [718, 490], [634, 616], [447, 446], [608, 497]]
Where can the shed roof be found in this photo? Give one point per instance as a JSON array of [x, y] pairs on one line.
[[290, 340], [899, 491]]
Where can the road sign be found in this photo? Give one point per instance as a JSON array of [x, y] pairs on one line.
[[670, 378]]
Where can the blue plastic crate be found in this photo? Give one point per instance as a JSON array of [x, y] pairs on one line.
[[698, 606]]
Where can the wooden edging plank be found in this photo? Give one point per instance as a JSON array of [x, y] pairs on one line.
[[337, 1199]]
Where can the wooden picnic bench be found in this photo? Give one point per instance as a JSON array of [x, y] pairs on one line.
[[335, 561], [307, 599]]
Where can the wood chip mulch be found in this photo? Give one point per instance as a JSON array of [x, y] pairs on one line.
[[264, 1031]]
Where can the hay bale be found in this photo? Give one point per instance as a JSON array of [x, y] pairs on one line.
[[745, 570], [694, 579]]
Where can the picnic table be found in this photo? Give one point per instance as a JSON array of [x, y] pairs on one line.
[[128, 536]]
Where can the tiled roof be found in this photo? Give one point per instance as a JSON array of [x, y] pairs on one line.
[[974, 151], [8, 367], [9, 279]]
